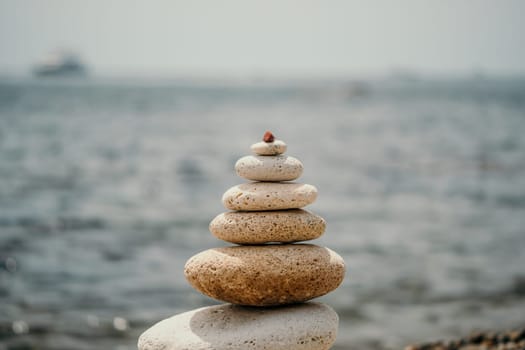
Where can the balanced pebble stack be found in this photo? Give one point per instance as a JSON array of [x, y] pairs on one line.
[[267, 269]]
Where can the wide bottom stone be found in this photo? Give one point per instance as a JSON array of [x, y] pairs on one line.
[[308, 326]]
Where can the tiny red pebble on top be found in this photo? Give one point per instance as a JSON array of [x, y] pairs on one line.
[[268, 137]]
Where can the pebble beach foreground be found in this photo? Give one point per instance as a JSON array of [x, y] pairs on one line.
[[268, 280], [508, 340]]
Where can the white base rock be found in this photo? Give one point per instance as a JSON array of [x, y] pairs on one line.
[[311, 326]]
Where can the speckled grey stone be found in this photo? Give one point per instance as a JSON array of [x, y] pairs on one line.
[[269, 148], [308, 326], [269, 168], [259, 227], [269, 196], [265, 275]]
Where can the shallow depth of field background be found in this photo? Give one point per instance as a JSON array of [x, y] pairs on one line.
[[409, 120]]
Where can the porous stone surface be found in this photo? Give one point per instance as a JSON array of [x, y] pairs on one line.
[[269, 148], [269, 168], [269, 196], [265, 275], [259, 227], [309, 326]]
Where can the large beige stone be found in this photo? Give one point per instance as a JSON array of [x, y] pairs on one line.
[[265, 275], [269, 196], [269, 148], [309, 326], [258, 227], [269, 168]]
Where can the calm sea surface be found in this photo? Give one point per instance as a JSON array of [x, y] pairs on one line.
[[107, 188]]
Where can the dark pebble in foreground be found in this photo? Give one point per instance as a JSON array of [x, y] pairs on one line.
[[508, 340]]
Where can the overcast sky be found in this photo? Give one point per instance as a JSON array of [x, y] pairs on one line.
[[268, 36]]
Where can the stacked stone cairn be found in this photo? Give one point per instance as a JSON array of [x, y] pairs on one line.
[[267, 278]]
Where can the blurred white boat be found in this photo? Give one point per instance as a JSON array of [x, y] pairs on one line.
[[58, 64]]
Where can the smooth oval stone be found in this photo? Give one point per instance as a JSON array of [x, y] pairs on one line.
[[276, 274], [269, 196], [266, 168], [269, 148], [309, 326], [258, 227]]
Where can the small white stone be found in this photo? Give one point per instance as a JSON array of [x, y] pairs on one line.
[[20, 327], [269, 168], [308, 326], [269, 148], [120, 324], [269, 196]]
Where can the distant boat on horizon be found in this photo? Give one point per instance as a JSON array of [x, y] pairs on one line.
[[60, 64]]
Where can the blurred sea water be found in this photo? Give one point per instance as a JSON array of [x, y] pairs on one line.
[[108, 187]]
